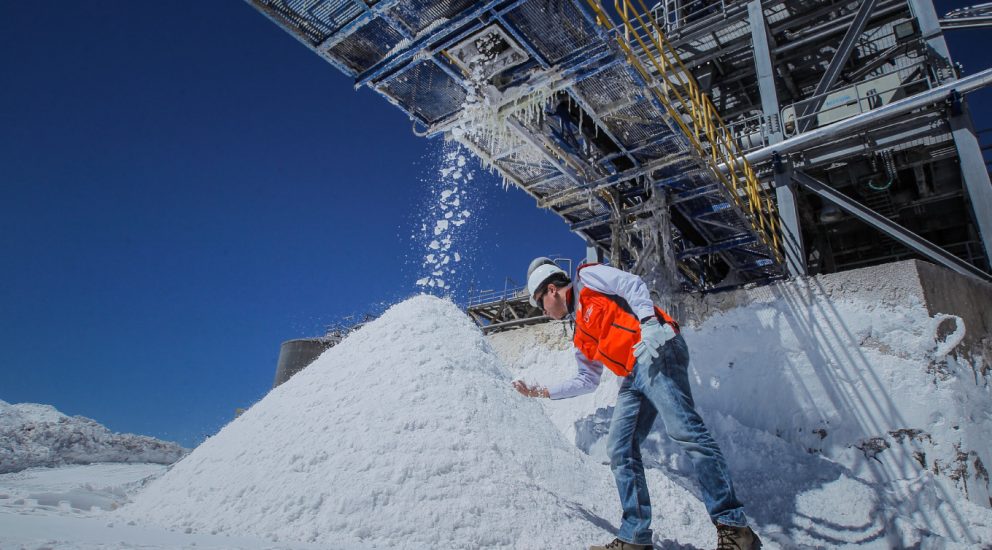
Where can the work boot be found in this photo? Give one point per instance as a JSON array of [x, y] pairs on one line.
[[618, 544], [736, 538]]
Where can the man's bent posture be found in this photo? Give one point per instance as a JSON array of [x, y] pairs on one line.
[[617, 325]]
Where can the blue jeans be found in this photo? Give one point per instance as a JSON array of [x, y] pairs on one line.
[[662, 389]]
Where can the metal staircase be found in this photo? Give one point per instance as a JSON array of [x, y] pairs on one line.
[[663, 72]]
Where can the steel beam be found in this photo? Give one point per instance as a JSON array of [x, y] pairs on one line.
[[978, 15], [543, 144], [971, 17], [788, 211], [966, 23], [888, 227], [611, 180], [836, 26], [815, 35], [466, 23], [973, 170], [720, 246], [837, 63], [845, 128], [974, 173], [697, 192], [496, 327], [711, 208], [926, 18], [552, 82]]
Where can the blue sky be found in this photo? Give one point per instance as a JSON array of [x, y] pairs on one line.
[[185, 186]]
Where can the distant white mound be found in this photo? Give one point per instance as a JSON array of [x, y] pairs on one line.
[[405, 435], [33, 435]]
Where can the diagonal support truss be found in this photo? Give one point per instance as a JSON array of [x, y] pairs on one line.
[[890, 228], [841, 56]]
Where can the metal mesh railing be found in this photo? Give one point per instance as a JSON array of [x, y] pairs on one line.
[[676, 14], [417, 15], [498, 295], [365, 47], [427, 90], [555, 28], [642, 41], [314, 20]]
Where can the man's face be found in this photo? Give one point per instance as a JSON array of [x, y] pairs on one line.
[[553, 302]]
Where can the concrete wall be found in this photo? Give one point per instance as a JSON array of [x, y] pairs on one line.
[[950, 293]]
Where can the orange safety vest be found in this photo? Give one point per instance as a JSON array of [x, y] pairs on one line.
[[606, 329]]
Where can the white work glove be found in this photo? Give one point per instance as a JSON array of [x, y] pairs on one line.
[[653, 336]]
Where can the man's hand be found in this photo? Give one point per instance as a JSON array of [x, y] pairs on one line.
[[653, 336], [531, 391]]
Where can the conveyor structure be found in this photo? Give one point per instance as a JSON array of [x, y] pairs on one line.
[[635, 123], [585, 111]]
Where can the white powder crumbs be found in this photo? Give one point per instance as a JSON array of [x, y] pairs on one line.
[[445, 217]]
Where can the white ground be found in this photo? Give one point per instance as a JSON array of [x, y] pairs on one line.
[[69, 508], [846, 420], [846, 424]]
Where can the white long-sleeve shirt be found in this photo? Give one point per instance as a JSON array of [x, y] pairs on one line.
[[606, 280]]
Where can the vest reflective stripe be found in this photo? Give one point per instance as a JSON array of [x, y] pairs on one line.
[[606, 330]]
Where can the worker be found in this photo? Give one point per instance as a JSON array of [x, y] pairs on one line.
[[618, 326]]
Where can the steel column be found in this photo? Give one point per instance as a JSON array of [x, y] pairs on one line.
[[974, 173], [926, 18], [788, 212], [973, 170]]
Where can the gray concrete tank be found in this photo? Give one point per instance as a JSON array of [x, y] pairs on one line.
[[295, 355]]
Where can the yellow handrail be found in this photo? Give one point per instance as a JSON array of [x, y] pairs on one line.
[[705, 127]]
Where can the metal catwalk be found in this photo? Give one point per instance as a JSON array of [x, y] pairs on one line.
[[587, 111]]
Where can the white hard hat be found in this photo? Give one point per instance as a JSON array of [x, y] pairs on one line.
[[540, 270]]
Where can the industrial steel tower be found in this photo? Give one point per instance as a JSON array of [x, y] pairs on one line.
[[704, 144]]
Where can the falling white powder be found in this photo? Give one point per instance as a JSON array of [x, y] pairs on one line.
[[442, 225]]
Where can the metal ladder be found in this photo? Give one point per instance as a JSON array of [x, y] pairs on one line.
[[653, 57]]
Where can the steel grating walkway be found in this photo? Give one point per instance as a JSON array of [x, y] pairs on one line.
[[574, 114]]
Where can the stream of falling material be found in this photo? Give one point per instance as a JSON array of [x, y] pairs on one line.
[[443, 233]]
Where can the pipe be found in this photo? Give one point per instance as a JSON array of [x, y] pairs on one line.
[[836, 26], [862, 121]]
